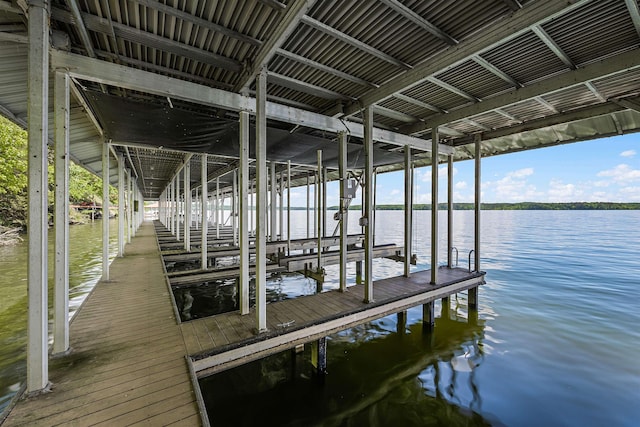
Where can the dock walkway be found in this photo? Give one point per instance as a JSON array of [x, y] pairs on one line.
[[127, 365]]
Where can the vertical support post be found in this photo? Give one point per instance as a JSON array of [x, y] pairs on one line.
[[368, 205], [428, 316], [130, 207], [261, 190], [197, 209], [401, 322], [61, 266], [244, 212], [217, 207], [234, 207], [449, 210], [344, 210], [251, 208], [434, 205], [288, 207], [308, 205], [204, 229], [38, 109], [121, 185], [187, 205], [105, 211], [321, 368], [273, 232], [408, 209], [324, 202], [170, 205], [281, 205], [178, 206], [473, 293], [319, 209]]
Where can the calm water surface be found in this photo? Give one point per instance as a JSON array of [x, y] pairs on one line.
[[85, 267], [555, 340]]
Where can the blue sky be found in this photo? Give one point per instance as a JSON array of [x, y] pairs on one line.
[[606, 169]]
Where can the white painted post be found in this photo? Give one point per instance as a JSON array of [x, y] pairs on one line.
[[288, 207], [61, 266], [368, 205], [204, 229], [449, 211], [37, 127], [129, 207], [308, 206], [197, 209], [478, 192], [121, 185], [281, 205], [105, 211], [319, 209], [217, 207], [244, 213], [434, 205], [408, 210], [261, 190], [187, 205], [273, 233], [178, 206], [343, 206], [234, 207]]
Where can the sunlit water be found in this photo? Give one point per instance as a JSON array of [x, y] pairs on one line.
[[555, 342]]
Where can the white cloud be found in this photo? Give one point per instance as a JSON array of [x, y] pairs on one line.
[[425, 176], [561, 192], [630, 194], [628, 153], [513, 187], [462, 185], [621, 173]]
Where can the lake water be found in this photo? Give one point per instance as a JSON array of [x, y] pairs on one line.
[[555, 341]]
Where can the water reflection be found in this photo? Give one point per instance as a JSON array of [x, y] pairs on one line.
[[378, 374]]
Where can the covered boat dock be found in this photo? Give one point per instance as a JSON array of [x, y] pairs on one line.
[[218, 110]]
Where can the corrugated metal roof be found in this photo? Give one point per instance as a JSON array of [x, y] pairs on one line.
[[338, 53]]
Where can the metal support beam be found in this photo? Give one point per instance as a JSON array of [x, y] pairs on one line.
[[521, 21], [131, 78], [187, 205], [553, 46], [130, 206], [634, 11], [288, 207], [121, 218], [261, 205], [273, 193], [449, 211], [368, 206], [204, 216], [61, 266], [244, 213], [105, 211], [344, 207], [420, 21], [408, 210], [234, 206], [434, 207], [38, 93], [217, 207], [319, 208], [478, 192]]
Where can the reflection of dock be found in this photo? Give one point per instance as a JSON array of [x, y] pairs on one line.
[[227, 340]]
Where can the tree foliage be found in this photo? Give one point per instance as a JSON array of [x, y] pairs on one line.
[[84, 187]]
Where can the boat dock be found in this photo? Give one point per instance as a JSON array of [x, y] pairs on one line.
[[133, 361]]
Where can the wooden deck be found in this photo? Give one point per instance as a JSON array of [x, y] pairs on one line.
[[127, 364], [227, 340]]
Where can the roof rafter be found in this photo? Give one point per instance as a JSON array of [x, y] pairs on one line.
[[452, 89], [143, 81], [419, 103], [609, 66], [172, 11], [79, 24], [313, 23], [513, 4], [634, 11], [496, 71], [551, 44], [284, 29], [502, 31], [322, 67], [101, 25], [303, 87], [420, 21]]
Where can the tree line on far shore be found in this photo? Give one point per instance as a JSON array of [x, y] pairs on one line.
[[521, 206]]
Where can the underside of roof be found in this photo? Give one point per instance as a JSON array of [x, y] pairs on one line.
[[165, 80]]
